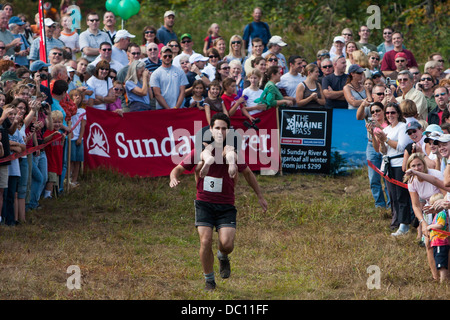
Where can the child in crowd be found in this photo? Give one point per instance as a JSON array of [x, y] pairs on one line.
[[439, 241], [214, 102], [197, 99], [76, 147], [116, 106], [253, 92], [17, 145], [233, 106], [54, 152]]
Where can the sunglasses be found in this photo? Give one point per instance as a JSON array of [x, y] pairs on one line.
[[326, 67], [410, 132], [235, 42], [212, 57], [272, 59], [426, 79], [94, 20], [149, 31], [174, 46], [103, 69], [167, 56], [225, 68], [398, 61], [391, 112], [441, 61], [135, 53], [347, 34], [380, 93], [57, 53], [439, 94], [375, 58], [375, 111], [106, 49], [152, 49], [387, 32], [2, 48], [186, 41], [402, 80], [118, 89]]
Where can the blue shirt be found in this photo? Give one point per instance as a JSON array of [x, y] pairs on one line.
[[50, 44], [257, 30], [164, 35]]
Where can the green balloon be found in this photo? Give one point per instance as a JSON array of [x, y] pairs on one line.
[[136, 6], [111, 5], [126, 9]]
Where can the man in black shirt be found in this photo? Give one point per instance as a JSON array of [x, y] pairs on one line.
[[334, 83]]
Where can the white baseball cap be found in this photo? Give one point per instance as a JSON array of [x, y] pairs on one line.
[[169, 13], [49, 22], [278, 40], [122, 34], [197, 57]]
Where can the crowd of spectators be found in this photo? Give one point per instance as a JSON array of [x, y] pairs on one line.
[[112, 70]]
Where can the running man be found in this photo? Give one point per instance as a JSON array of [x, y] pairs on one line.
[[214, 204]]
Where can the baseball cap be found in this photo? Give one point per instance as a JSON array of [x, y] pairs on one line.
[[442, 138], [186, 35], [38, 65], [169, 13], [165, 48], [413, 125], [401, 55], [432, 136], [49, 22], [10, 76], [355, 68], [432, 128], [197, 57], [16, 20], [339, 39], [122, 34], [376, 74], [278, 40]]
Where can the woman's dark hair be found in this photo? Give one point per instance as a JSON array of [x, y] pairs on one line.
[[149, 28], [103, 64], [219, 65], [397, 108]]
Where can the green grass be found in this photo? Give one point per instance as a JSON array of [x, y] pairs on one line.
[[134, 238]]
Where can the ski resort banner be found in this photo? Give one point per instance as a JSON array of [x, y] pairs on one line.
[[151, 143]]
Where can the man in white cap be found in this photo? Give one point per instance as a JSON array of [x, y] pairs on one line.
[[166, 33], [121, 42], [275, 45], [91, 39], [198, 63], [338, 45], [51, 42]]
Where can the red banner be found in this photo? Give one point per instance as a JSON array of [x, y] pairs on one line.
[[152, 143]]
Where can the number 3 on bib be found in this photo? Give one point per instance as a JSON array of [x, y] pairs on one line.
[[211, 184]]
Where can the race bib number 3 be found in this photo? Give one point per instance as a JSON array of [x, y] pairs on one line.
[[211, 184]]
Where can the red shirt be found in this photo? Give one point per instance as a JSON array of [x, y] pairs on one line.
[[218, 184], [54, 153], [229, 103], [388, 62]]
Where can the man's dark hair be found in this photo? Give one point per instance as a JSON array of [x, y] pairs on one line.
[[59, 87], [293, 58], [220, 116]]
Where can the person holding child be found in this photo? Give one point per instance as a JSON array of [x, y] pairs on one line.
[[422, 184]]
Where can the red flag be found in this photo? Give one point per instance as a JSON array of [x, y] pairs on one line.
[[43, 45]]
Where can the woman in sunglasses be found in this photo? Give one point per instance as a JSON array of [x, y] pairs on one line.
[[391, 143], [102, 85], [374, 62], [138, 87], [236, 49], [149, 36], [354, 90]]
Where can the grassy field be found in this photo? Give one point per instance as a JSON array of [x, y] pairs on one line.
[[133, 238]]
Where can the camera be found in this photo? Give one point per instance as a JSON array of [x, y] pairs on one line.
[[389, 81]]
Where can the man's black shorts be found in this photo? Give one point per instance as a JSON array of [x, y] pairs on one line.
[[214, 215]]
